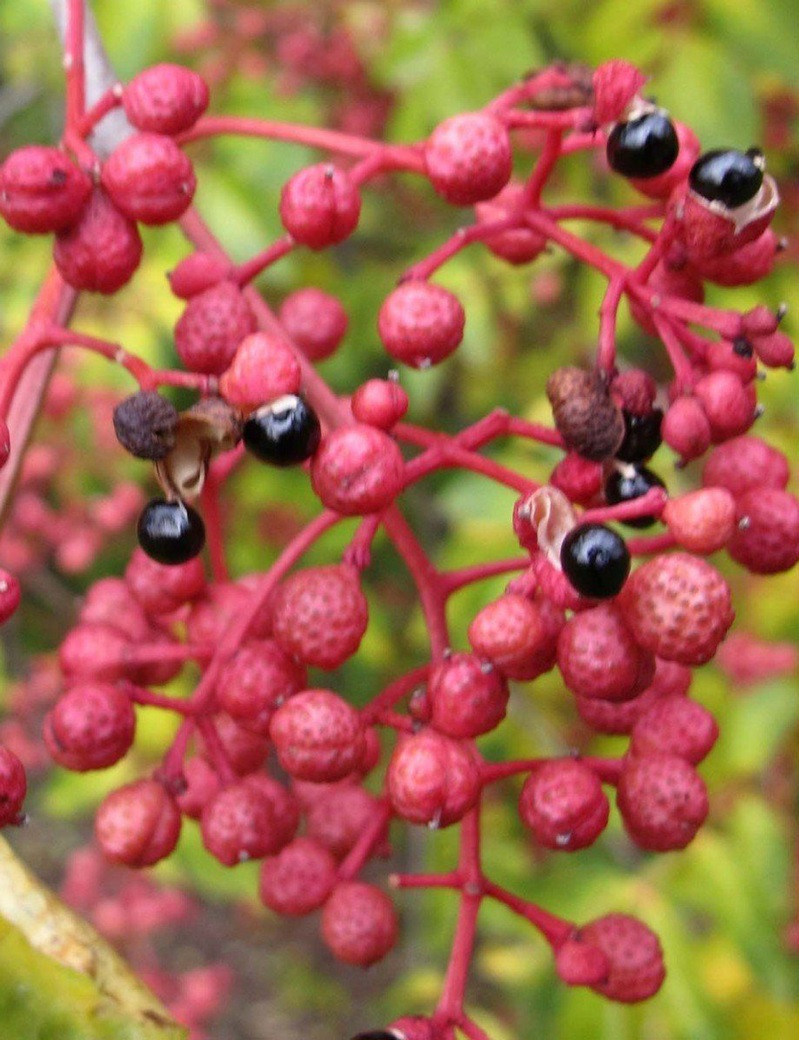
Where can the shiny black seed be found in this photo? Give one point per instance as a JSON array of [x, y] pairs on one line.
[[170, 532], [643, 147], [642, 435], [595, 560], [630, 482], [728, 176], [145, 425], [283, 433]]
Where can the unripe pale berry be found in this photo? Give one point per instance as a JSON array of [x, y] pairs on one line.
[[764, 539], [149, 178], [320, 206], [746, 463], [467, 696], [42, 190], [598, 656], [420, 324], [517, 635], [701, 521], [212, 326], [633, 953], [433, 779], [379, 402], [91, 726], [165, 99], [563, 804], [357, 470], [138, 824], [675, 726], [315, 320], [13, 787], [101, 251], [468, 158], [662, 800], [256, 681], [263, 369], [359, 923], [318, 736], [298, 879]]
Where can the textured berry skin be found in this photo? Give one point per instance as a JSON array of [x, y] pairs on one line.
[[708, 231], [357, 470], [589, 421], [318, 736], [517, 635], [580, 479], [246, 751], [635, 962], [320, 615], [94, 651], [765, 537], [359, 923], [10, 595], [745, 463], [211, 327], [256, 681], [618, 717], [138, 824], [635, 392], [433, 779], [110, 602], [101, 251], [198, 272], [248, 820], [145, 424], [468, 158], [420, 324], [202, 785], [41, 190], [702, 521], [615, 84], [315, 320], [91, 726], [518, 245], [730, 407], [662, 800], [160, 589], [580, 964], [13, 787], [336, 819], [211, 615], [675, 726], [379, 402], [263, 368], [563, 803], [298, 879], [149, 178], [678, 606], [467, 696], [320, 206], [598, 656], [165, 99]]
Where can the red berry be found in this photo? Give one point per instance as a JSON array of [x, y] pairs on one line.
[[730, 407], [746, 463], [94, 652], [663, 801], [675, 726], [517, 635], [111, 602], [563, 803], [359, 923], [633, 953], [357, 470], [101, 251], [320, 206], [298, 879], [337, 818], [263, 369], [253, 818], [198, 272], [91, 726], [10, 595], [223, 602], [765, 537], [244, 749], [379, 402], [433, 779], [420, 323], [162, 589], [678, 606], [581, 964], [41, 190], [138, 824], [707, 232], [667, 280], [13, 787], [775, 350], [212, 326], [599, 657], [318, 736], [256, 681], [202, 785], [686, 429], [165, 99], [320, 615], [315, 320], [580, 479], [468, 158], [615, 84], [517, 245], [744, 266], [467, 696], [670, 680], [149, 178], [702, 521]]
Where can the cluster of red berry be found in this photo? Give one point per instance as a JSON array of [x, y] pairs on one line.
[[624, 640]]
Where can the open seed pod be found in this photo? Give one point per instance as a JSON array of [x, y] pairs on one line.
[[552, 517], [210, 426]]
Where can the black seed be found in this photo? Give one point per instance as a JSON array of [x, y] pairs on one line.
[[170, 532], [727, 176], [145, 425], [642, 435], [628, 483], [643, 147], [595, 560], [283, 433], [742, 347]]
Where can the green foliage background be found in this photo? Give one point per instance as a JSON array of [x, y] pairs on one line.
[[720, 907]]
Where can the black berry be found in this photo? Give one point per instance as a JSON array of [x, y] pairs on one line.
[[729, 177], [283, 433], [643, 147], [145, 425], [630, 482], [170, 532], [595, 560], [642, 436]]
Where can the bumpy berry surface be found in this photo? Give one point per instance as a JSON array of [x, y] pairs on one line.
[[633, 952], [663, 801], [320, 206], [563, 804], [357, 470], [315, 320], [211, 328], [41, 190], [165, 99], [468, 158], [138, 824], [102, 250], [92, 726], [421, 324], [318, 736], [298, 879], [432, 779], [359, 923], [149, 178]]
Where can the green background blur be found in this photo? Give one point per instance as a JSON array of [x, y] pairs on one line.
[[723, 906]]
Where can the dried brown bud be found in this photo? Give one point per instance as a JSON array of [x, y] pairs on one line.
[[145, 424], [208, 427], [586, 417]]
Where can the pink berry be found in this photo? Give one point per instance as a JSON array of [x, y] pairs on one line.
[[468, 158], [138, 824], [744, 266], [320, 206], [633, 953], [563, 803], [165, 99], [10, 595], [315, 320], [250, 819], [433, 779], [13, 787], [198, 272], [42, 190], [730, 407], [256, 681], [702, 521], [298, 879], [662, 800], [518, 245], [202, 785], [667, 280], [212, 326], [222, 603], [91, 726], [318, 736], [149, 178], [420, 324], [359, 923], [580, 964], [517, 635], [245, 750], [765, 537], [746, 463], [337, 818], [357, 470], [675, 726], [670, 679], [379, 402], [111, 602], [101, 251], [161, 589], [599, 657], [467, 696], [263, 369], [706, 232], [686, 429], [580, 479], [94, 651]]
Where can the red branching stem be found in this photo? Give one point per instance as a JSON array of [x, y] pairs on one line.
[[534, 432], [578, 247], [450, 880], [216, 751], [607, 349], [394, 692], [684, 374], [471, 1029], [358, 553], [664, 239], [212, 515], [463, 237], [554, 929], [650, 504], [73, 64], [171, 768], [727, 323], [106, 103], [551, 78], [654, 543], [545, 165], [454, 580], [372, 836], [394, 720], [606, 769], [542, 120], [253, 267], [622, 219], [141, 695], [449, 455], [491, 772]]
